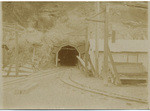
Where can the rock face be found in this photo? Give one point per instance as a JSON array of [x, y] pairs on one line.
[[127, 19]]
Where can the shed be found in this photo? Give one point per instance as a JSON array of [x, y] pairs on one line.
[[124, 51]]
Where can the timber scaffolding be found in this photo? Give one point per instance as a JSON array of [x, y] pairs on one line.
[[113, 76], [107, 52]]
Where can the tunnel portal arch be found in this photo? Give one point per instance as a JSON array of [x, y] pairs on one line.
[[66, 54]]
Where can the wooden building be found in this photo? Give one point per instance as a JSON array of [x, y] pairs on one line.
[[131, 56]]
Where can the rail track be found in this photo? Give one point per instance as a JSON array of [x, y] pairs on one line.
[[63, 71], [69, 81], [34, 76]]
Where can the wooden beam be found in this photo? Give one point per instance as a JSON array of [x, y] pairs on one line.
[[113, 36], [137, 6], [16, 54], [106, 46], [75, 35], [92, 66], [33, 56], [56, 59], [9, 70], [86, 50], [3, 52], [96, 42], [117, 78], [81, 61]]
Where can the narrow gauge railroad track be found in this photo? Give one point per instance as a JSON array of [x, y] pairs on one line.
[[63, 71], [69, 81], [35, 76]]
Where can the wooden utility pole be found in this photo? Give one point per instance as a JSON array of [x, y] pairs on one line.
[[3, 51], [106, 45], [86, 50], [33, 56], [96, 42], [16, 54]]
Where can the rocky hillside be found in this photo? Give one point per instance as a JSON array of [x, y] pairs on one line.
[[49, 23]]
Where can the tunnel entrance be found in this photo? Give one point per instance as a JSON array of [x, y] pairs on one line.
[[67, 56]]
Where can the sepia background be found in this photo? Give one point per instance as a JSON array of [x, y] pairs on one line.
[[42, 32]]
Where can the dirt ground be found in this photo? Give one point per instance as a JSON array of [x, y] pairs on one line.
[[51, 93]]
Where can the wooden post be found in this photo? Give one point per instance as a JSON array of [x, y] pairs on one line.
[[86, 50], [113, 36], [137, 58], [3, 51], [8, 72], [56, 59], [127, 57], [117, 78], [16, 55], [96, 43], [90, 61], [106, 46], [3, 56], [33, 56]]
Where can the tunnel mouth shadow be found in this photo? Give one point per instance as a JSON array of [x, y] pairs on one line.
[[67, 56]]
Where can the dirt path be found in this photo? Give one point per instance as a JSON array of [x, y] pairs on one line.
[[51, 93]]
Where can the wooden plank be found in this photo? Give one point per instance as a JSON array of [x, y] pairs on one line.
[[81, 61], [83, 64], [9, 70], [133, 78], [114, 67], [92, 66]]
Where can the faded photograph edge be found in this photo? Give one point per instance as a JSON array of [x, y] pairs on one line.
[[76, 59]]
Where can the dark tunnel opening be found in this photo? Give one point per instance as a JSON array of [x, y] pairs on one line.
[[67, 56]]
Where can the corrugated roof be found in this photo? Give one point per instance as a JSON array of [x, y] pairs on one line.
[[122, 45]]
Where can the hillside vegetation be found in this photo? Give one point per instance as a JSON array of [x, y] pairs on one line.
[[48, 23]]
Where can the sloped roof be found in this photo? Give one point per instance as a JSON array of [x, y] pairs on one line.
[[122, 45]]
